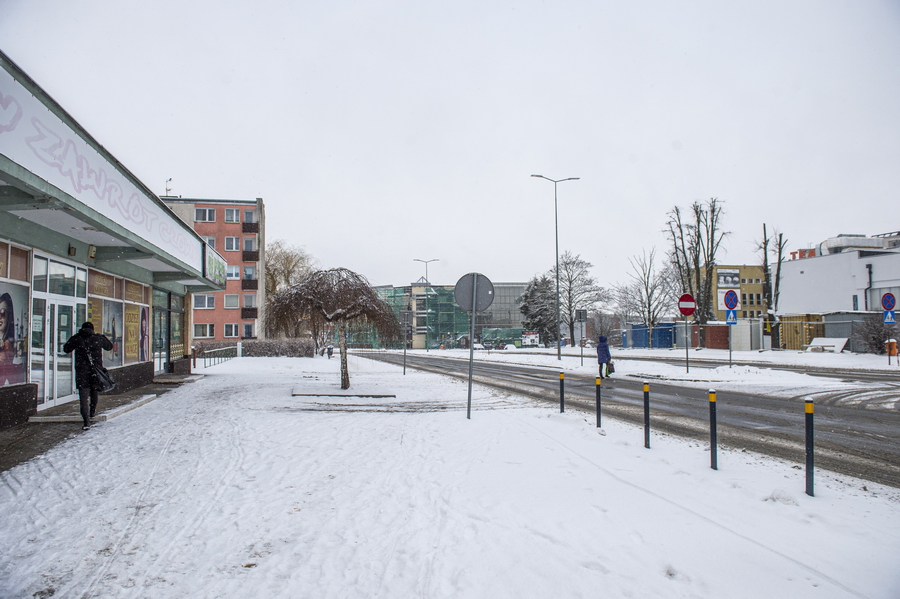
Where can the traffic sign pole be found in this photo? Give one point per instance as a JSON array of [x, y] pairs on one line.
[[687, 305]]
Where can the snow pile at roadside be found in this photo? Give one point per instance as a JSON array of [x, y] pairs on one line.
[[229, 487]]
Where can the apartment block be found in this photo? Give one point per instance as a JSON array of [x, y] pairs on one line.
[[236, 230]]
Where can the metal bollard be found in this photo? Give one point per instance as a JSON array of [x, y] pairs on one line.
[[646, 414], [810, 409], [713, 436], [597, 382], [562, 392]]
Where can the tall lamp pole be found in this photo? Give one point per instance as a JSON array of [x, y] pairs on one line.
[[426, 267], [556, 218]]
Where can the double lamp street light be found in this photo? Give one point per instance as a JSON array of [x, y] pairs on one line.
[[556, 217]]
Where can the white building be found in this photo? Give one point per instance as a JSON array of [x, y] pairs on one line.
[[847, 273]]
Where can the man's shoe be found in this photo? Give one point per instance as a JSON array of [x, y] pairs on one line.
[[86, 427]]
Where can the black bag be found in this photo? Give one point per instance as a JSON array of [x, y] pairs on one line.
[[104, 382], [610, 367]]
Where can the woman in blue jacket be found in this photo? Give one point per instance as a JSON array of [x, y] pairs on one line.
[[603, 356]]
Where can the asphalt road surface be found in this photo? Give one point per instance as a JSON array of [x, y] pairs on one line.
[[858, 436]]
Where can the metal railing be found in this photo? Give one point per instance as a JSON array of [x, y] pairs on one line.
[[211, 357]]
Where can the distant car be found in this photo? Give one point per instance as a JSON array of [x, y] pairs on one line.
[[477, 346], [510, 346], [488, 346]]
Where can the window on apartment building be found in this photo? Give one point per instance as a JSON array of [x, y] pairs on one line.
[[249, 216], [743, 280], [205, 215], [232, 329], [758, 298], [250, 272], [231, 301], [745, 314], [204, 302], [210, 241], [232, 272], [204, 331], [744, 299], [250, 300], [232, 215], [757, 281], [232, 244], [249, 244], [751, 300], [249, 329]]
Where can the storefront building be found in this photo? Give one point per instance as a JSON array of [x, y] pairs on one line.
[[82, 239]]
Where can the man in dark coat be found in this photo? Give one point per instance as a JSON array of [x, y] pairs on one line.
[[603, 356], [87, 346]]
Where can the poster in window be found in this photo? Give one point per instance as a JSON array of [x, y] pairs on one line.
[[112, 329], [132, 333], [13, 333]]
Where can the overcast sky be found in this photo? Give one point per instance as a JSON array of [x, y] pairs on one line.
[[378, 132]]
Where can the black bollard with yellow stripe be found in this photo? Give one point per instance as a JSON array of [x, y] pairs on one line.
[[597, 382], [646, 414], [810, 453], [562, 392], [713, 436]]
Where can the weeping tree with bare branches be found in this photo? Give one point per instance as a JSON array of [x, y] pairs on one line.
[[339, 298]]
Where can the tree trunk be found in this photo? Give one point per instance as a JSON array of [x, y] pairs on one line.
[[342, 342]]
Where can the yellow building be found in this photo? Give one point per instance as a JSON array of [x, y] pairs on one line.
[[747, 282]]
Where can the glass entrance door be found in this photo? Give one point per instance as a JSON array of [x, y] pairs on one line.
[[52, 369]]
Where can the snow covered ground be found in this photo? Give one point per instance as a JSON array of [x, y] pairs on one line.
[[234, 487]]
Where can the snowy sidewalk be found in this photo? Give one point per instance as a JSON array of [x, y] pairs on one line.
[[233, 487]]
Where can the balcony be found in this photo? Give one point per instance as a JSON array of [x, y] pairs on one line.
[[247, 313], [250, 228], [249, 284], [250, 256]]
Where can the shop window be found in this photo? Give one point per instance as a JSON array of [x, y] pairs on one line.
[[232, 244], [62, 279], [204, 302], [80, 282], [232, 329], [231, 301], [18, 264], [204, 331], [40, 274], [232, 215], [205, 215]]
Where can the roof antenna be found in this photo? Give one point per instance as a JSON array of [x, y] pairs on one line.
[[168, 190]]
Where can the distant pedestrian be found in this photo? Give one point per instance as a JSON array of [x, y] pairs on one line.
[[88, 347], [330, 351], [603, 356]]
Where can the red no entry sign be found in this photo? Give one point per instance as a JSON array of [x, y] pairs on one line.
[[686, 304]]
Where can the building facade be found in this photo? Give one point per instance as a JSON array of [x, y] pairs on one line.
[[747, 281], [82, 239], [236, 230]]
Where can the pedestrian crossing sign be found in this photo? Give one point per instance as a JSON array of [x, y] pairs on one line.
[[889, 317], [731, 317]]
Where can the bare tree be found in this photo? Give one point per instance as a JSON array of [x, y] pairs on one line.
[[340, 298], [285, 266], [695, 245], [773, 245], [652, 288], [578, 290]]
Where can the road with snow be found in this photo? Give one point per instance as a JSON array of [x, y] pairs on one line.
[[857, 431]]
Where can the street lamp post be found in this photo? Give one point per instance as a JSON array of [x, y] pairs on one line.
[[556, 218], [427, 282]]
